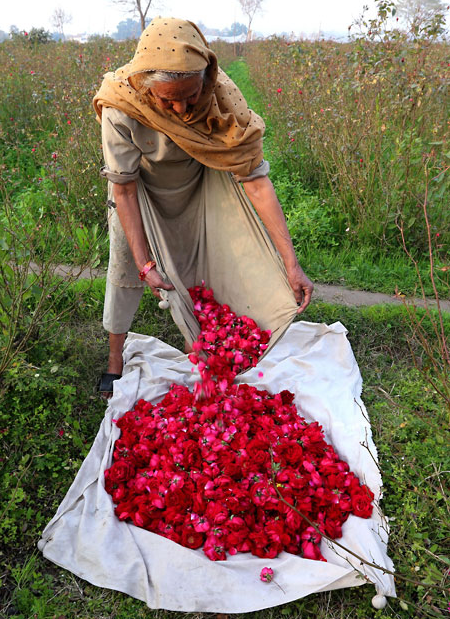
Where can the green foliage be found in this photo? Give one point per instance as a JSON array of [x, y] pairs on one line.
[[424, 18], [52, 207], [365, 269], [43, 434], [47, 121], [310, 220], [33, 241], [39, 36], [36, 401], [35, 36], [45, 87]]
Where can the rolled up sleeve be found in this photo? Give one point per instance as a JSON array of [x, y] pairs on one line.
[[262, 169], [122, 157]]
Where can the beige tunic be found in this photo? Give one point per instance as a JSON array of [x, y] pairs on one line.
[[199, 226]]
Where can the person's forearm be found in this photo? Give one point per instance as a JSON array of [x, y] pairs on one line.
[[265, 202], [125, 197], [127, 205], [262, 195]]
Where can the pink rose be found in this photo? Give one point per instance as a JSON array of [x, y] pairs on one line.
[[266, 574]]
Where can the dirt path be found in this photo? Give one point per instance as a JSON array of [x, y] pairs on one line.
[[358, 298], [325, 292]]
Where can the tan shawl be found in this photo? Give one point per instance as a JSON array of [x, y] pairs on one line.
[[220, 131]]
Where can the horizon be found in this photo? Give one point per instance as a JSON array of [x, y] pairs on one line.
[[276, 16]]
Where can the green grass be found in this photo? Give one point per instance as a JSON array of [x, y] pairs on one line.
[[363, 269], [50, 414]]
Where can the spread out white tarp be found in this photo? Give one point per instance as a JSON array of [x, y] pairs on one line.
[[316, 363]]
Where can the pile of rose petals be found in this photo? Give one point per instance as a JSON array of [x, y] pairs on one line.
[[206, 468], [231, 344]]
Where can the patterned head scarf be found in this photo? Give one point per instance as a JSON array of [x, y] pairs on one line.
[[220, 130]]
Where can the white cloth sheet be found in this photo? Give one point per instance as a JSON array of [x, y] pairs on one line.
[[316, 363]]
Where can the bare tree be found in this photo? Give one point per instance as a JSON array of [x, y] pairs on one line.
[[415, 12], [59, 19], [250, 8], [139, 7]]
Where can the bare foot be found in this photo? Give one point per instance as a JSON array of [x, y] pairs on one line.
[[115, 360]]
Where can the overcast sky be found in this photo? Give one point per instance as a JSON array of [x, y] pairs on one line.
[[102, 16]]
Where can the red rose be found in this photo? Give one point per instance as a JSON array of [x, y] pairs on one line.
[[142, 453], [125, 510], [276, 532], [262, 494], [173, 515], [121, 471], [345, 502], [312, 551], [120, 493], [216, 513], [267, 552], [191, 455], [286, 397], [293, 520], [332, 528], [289, 452], [180, 500], [237, 536], [145, 512], [362, 503], [214, 549], [169, 531], [190, 538]]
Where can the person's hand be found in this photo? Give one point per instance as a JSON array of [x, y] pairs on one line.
[[302, 287], [154, 280]]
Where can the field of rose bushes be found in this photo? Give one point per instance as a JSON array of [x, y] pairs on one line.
[[366, 123], [357, 137]]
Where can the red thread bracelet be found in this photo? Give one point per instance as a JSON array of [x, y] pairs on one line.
[[150, 264]]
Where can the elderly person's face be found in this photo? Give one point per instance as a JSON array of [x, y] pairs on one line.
[[179, 95]]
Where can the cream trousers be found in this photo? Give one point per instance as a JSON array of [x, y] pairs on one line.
[[120, 307]]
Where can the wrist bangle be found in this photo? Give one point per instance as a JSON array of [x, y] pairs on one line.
[[149, 265]]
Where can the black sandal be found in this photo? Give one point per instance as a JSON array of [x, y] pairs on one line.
[[105, 383]]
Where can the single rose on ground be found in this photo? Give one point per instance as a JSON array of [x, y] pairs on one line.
[[266, 574]]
